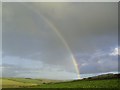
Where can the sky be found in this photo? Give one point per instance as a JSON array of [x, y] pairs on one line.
[[36, 38]]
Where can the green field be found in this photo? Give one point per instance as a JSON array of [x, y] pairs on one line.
[[38, 83], [23, 82], [113, 83], [6, 83]]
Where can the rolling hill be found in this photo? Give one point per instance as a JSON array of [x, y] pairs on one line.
[[101, 81]]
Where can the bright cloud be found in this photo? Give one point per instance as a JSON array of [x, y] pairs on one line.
[[115, 52]]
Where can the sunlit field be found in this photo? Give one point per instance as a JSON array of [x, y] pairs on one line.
[[15, 84], [23, 82]]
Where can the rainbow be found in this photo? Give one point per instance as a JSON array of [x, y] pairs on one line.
[[66, 45], [61, 38]]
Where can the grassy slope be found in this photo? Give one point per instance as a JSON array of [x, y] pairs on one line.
[[14, 84], [0, 83], [39, 83], [22, 82], [112, 83]]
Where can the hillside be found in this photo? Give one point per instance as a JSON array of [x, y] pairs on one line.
[[101, 81], [24, 82], [112, 83]]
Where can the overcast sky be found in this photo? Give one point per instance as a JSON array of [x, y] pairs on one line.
[[31, 47]]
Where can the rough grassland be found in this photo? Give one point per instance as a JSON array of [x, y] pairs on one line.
[[14, 84], [33, 83], [112, 83], [23, 82]]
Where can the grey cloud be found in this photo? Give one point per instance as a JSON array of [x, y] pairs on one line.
[[11, 70], [86, 27], [46, 72], [97, 62], [21, 39]]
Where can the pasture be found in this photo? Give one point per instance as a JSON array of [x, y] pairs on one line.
[[36, 83]]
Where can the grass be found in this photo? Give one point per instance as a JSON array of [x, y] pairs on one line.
[[6, 83], [38, 83], [112, 83], [23, 82]]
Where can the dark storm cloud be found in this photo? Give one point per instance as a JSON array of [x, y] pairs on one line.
[[86, 28], [28, 34]]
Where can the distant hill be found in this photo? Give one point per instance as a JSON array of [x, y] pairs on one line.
[[103, 76], [24, 82]]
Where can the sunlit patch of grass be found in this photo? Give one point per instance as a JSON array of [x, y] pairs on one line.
[[14, 84]]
